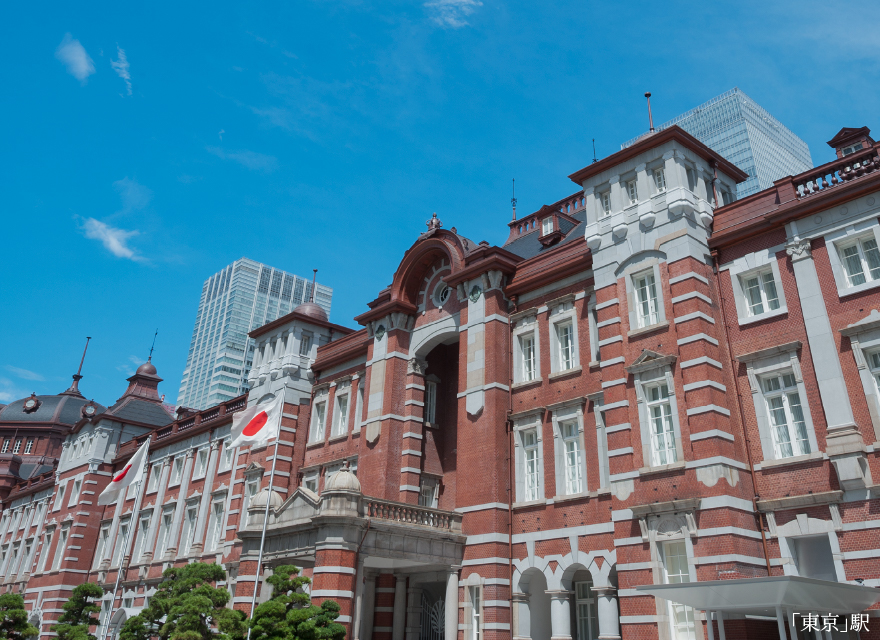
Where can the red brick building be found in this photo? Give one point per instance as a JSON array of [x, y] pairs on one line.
[[643, 411]]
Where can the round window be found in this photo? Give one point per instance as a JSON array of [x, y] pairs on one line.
[[441, 293]]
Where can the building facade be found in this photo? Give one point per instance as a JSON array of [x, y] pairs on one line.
[[747, 135], [237, 299], [645, 415]]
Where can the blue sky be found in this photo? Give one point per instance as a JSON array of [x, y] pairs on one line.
[[145, 147]]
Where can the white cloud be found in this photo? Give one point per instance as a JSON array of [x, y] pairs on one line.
[[133, 194], [73, 56], [120, 66], [249, 159], [24, 374], [114, 240], [128, 368], [10, 392], [452, 13]]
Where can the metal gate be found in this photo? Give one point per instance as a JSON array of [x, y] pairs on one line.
[[433, 619]]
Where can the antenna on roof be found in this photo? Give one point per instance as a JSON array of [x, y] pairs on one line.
[[650, 117], [594, 150], [74, 388], [513, 199], [314, 275], [153, 345]]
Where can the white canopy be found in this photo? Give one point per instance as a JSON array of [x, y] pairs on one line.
[[762, 596]]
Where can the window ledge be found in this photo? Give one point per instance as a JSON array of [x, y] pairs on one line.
[[563, 374], [530, 503], [431, 425], [529, 383], [575, 496], [781, 311], [339, 438], [314, 445], [654, 327], [593, 364], [810, 457], [647, 471], [851, 291]]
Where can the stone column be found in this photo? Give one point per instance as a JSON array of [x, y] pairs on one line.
[[780, 623], [205, 506], [451, 621], [609, 617], [413, 613], [368, 609], [560, 614], [521, 617], [398, 628], [710, 630], [358, 599]]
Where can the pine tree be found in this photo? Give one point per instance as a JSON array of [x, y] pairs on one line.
[[289, 614], [193, 608], [14, 623], [74, 623]]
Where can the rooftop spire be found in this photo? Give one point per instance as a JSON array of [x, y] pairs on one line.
[[314, 276], [74, 388], [650, 117], [513, 199], [153, 346]]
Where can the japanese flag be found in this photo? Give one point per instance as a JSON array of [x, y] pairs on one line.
[[255, 425], [132, 472]]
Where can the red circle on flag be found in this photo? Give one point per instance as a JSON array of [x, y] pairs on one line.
[[253, 427], [122, 473]]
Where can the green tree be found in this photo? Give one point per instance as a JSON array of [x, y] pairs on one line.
[[193, 608], [289, 614], [74, 623], [14, 624]]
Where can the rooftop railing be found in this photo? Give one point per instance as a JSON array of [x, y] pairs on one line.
[[830, 175]]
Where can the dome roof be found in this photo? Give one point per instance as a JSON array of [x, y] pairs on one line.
[[147, 368], [343, 480], [312, 310], [58, 409], [259, 500]]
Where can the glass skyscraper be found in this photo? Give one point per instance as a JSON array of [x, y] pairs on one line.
[[242, 297], [743, 132]]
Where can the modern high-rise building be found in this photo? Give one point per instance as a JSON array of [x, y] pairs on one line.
[[742, 131], [235, 300]]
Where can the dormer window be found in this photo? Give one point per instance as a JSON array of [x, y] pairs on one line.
[[546, 226], [632, 191], [852, 148], [660, 180]]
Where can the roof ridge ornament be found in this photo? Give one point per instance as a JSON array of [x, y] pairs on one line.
[[434, 223]]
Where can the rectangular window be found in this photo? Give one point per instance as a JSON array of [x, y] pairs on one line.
[[430, 402], [787, 425], [29, 446], [571, 442], [121, 541], [250, 490], [305, 344], [25, 557], [675, 569], [532, 464], [140, 543], [662, 431], [565, 338], [189, 530], [340, 421], [214, 526], [6, 445], [44, 551], [164, 532], [546, 226], [587, 618], [60, 549], [74, 494], [692, 179], [861, 261], [153, 481], [606, 203], [201, 463], [632, 191], [317, 429], [310, 482], [17, 447], [59, 500], [176, 471], [225, 456], [646, 299], [760, 291], [852, 149], [476, 631], [660, 180], [874, 364], [527, 347], [428, 493], [103, 538]]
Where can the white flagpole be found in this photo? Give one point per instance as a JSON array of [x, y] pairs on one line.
[[265, 523], [125, 549]]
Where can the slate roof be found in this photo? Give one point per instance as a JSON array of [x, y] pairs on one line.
[[61, 409], [31, 470], [529, 245], [137, 410]]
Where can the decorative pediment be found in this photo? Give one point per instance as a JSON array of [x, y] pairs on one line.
[[254, 469], [648, 360]]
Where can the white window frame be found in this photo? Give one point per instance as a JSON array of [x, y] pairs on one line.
[[785, 387], [312, 477], [777, 361], [593, 326], [318, 424], [226, 457], [153, 480], [103, 539], [429, 492], [430, 412], [841, 238], [251, 488], [178, 463], [668, 578], [121, 540], [644, 380], [141, 536], [523, 425], [547, 226], [340, 414], [188, 528], [570, 413], [864, 337], [59, 496], [75, 491], [200, 463], [359, 406], [659, 410], [652, 317], [631, 188], [475, 612], [598, 400], [563, 314], [526, 326], [29, 446], [631, 274], [748, 266], [305, 344], [214, 535], [61, 546], [605, 203], [6, 443], [17, 447], [659, 177]]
